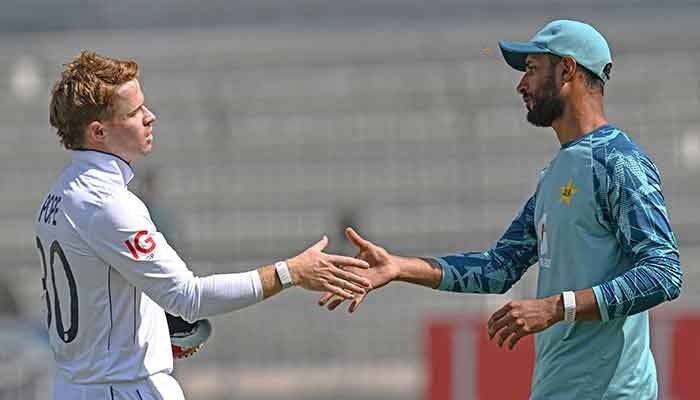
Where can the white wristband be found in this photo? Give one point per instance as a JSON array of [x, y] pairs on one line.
[[569, 306], [283, 274]]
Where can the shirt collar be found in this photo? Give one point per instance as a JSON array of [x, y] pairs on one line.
[[106, 162], [576, 141]]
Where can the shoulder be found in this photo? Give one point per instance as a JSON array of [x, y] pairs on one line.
[[615, 153], [87, 185], [121, 210]]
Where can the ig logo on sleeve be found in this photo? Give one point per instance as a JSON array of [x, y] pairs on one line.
[[141, 246]]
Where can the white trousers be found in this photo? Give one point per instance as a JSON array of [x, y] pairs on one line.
[[160, 386]]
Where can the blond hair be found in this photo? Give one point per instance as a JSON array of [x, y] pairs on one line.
[[85, 93]]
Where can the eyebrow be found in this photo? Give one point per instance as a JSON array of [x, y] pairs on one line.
[[130, 113]]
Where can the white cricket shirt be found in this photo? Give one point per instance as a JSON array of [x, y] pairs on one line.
[[108, 275]]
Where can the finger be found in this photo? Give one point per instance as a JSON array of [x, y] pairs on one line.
[[503, 336], [497, 325], [516, 338], [324, 299], [350, 277], [347, 261], [335, 303], [338, 291], [499, 313], [356, 303], [345, 285], [321, 244], [356, 239]]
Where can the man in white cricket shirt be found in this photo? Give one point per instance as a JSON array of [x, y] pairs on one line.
[[108, 274]]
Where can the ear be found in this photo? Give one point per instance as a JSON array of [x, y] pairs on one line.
[[95, 132], [568, 69]]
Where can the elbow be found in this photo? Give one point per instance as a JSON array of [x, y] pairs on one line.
[[676, 286], [672, 280], [179, 305], [182, 300], [188, 308], [665, 273]]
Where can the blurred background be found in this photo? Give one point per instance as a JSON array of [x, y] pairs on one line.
[[282, 120]]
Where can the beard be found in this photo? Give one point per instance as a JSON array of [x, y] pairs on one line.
[[547, 105]]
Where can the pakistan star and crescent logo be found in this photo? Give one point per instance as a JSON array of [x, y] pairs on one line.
[[567, 191]]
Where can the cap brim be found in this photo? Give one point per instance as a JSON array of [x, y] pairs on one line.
[[515, 53]]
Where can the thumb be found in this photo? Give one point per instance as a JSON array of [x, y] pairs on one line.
[[321, 244], [356, 239]]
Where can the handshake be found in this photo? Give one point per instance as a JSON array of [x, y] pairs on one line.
[[344, 278], [340, 277]]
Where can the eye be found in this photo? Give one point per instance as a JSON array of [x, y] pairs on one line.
[[135, 112]]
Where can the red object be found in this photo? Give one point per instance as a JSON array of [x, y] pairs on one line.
[[498, 365], [181, 352], [440, 369], [464, 364], [685, 356], [139, 247], [131, 249]]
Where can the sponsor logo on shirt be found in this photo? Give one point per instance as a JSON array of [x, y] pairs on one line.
[[141, 246], [567, 192]]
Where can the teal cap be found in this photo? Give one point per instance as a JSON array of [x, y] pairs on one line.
[[564, 38]]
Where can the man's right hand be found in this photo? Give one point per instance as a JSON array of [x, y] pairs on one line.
[[384, 268], [315, 270]]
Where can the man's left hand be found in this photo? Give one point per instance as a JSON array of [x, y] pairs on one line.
[[520, 318]]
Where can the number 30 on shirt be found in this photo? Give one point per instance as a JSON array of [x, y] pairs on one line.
[[56, 252]]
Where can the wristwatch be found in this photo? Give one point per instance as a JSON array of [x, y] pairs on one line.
[[283, 274]]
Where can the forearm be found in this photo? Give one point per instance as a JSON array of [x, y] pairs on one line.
[[586, 305], [200, 297], [640, 288], [520, 318], [271, 284], [229, 292], [422, 271], [419, 271], [493, 271]]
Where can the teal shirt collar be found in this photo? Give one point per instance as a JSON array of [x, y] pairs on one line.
[[576, 141]]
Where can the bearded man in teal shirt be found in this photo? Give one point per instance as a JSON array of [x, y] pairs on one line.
[[597, 225]]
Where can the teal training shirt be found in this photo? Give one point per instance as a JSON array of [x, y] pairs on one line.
[[598, 219]]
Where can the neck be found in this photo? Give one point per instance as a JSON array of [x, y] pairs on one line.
[[580, 118], [102, 150]]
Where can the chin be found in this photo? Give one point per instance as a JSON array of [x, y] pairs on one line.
[[146, 150]]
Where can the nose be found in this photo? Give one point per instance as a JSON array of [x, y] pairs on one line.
[[522, 86], [150, 116]]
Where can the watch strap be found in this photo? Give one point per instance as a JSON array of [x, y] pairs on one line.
[[283, 274], [569, 299]]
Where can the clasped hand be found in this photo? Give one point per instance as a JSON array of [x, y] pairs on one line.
[[383, 269], [515, 320]]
